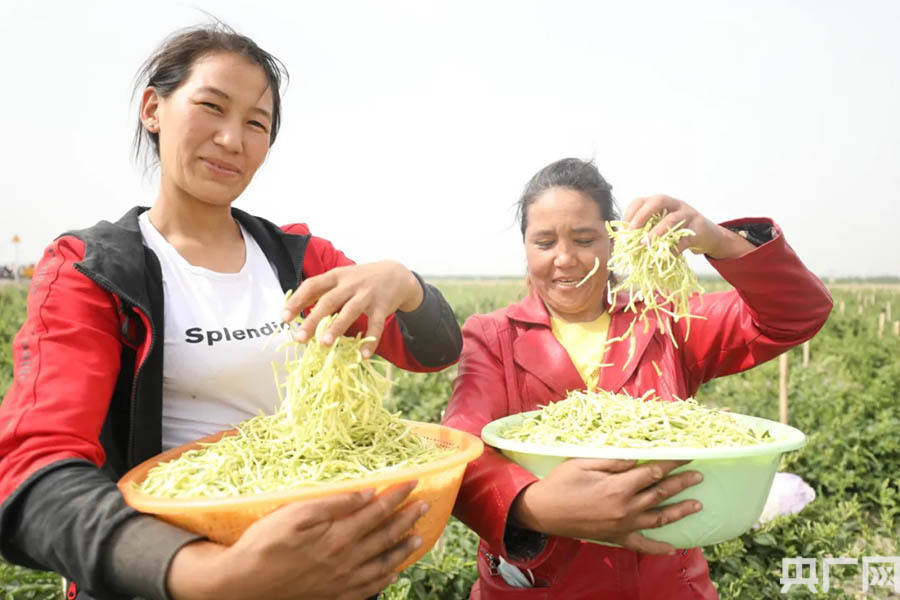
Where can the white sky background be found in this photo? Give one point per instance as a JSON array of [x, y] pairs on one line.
[[410, 128]]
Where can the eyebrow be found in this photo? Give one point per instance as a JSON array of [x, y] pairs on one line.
[[576, 231], [217, 92]]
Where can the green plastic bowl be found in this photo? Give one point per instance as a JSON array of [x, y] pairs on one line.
[[734, 489]]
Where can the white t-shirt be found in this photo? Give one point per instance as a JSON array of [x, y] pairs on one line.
[[217, 359]]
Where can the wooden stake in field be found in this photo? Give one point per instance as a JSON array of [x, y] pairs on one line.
[[841, 306], [783, 388], [805, 354], [896, 327], [887, 310], [16, 242], [881, 321]]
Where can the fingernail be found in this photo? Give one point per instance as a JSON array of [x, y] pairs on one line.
[[697, 478], [415, 541], [301, 335], [423, 509], [366, 353], [327, 338], [286, 316], [698, 506]]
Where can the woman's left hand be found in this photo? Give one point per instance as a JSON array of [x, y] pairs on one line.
[[374, 289], [709, 238]]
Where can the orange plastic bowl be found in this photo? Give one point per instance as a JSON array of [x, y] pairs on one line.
[[223, 520]]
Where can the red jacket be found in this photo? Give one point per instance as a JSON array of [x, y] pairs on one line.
[[511, 362], [85, 403]]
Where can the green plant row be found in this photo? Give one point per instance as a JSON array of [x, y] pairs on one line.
[[846, 401]]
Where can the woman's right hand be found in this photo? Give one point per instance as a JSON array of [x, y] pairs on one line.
[[342, 547], [606, 500]]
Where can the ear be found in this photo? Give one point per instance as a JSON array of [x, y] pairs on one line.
[[150, 109]]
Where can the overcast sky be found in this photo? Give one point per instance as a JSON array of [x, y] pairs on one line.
[[410, 128]]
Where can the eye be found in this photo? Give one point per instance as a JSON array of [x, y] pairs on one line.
[[211, 106], [258, 125], [544, 244], [586, 242]]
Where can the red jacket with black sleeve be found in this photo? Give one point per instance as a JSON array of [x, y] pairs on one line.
[[85, 404]]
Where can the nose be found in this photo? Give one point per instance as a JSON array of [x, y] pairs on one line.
[[230, 136], [565, 256]]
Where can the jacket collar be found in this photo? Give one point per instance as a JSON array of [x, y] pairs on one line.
[[530, 310], [284, 250], [114, 253], [537, 350], [114, 257]]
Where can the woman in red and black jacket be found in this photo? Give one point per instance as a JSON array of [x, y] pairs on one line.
[[106, 372]]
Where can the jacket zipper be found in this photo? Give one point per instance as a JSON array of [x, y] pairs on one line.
[[138, 369], [493, 561]]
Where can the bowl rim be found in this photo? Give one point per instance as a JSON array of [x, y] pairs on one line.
[[470, 448], [787, 438]]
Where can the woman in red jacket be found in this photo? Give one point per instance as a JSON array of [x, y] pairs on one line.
[[532, 352], [149, 332]]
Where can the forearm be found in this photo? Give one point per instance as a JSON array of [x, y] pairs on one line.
[[191, 578], [71, 519], [786, 300], [491, 486], [431, 333], [731, 245], [523, 538], [776, 303], [521, 512], [142, 554]]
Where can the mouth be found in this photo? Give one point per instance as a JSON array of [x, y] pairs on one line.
[[221, 167], [567, 282]]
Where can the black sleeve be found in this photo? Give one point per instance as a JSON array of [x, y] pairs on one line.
[[523, 544], [71, 518], [755, 233], [431, 332]]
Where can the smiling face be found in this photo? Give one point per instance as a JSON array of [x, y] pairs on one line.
[[565, 233], [213, 129]]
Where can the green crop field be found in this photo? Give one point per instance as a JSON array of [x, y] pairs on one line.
[[846, 399]]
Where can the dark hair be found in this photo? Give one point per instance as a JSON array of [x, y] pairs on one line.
[[573, 173], [170, 65]]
